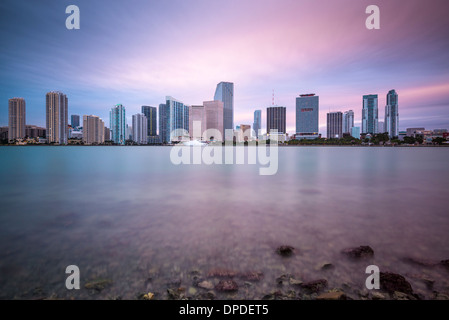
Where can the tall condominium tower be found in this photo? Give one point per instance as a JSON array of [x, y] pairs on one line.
[[214, 118], [348, 121], [197, 114], [307, 116], [370, 114], [257, 124], [173, 119], [391, 124], [334, 125], [17, 118], [225, 94], [93, 130], [117, 125], [75, 120], [276, 119], [151, 114], [57, 117], [140, 130]]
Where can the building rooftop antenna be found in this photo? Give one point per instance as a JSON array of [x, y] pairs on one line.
[[272, 102]]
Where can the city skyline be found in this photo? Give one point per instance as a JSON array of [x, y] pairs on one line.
[[368, 61]]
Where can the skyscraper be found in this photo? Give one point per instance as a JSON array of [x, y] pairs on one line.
[[17, 118], [348, 121], [197, 114], [75, 120], [307, 116], [93, 130], [334, 125], [173, 118], [276, 119], [370, 114], [257, 125], [140, 129], [380, 127], [355, 132], [225, 94], [392, 114], [151, 114], [57, 117], [214, 117], [117, 125]]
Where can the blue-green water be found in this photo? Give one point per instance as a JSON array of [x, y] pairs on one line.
[[129, 215]]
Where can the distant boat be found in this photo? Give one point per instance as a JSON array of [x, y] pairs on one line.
[[194, 143]]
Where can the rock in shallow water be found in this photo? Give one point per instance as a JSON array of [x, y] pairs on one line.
[[252, 276], [285, 251], [221, 273], [98, 285], [315, 286], [206, 285], [359, 252], [227, 286], [333, 295], [392, 282]]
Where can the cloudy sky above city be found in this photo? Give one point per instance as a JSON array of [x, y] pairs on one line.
[[138, 52]]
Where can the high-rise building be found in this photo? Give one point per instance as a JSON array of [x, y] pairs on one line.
[[307, 116], [140, 129], [370, 114], [392, 114], [75, 121], [173, 120], [197, 114], [57, 117], [348, 121], [151, 114], [35, 131], [380, 127], [117, 125], [334, 125], [214, 118], [107, 134], [257, 125], [355, 132], [225, 93], [17, 119], [276, 119], [93, 130]]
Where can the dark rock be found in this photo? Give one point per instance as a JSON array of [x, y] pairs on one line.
[[283, 279], [209, 295], [402, 296], [392, 282], [252, 276], [173, 294], [227, 286], [327, 266], [420, 262], [315, 286], [359, 252], [332, 295], [285, 251], [274, 295], [221, 273], [98, 285]]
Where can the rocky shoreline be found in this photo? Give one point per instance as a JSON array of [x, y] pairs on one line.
[[226, 284]]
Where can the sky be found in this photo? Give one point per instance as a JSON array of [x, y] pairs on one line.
[[137, 52]]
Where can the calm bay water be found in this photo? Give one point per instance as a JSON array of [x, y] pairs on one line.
[[129, 215]]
